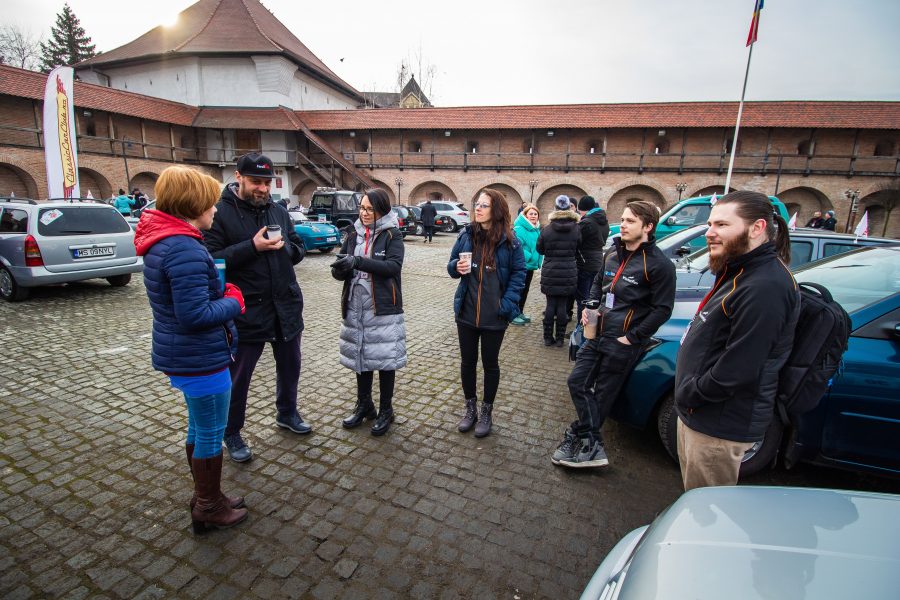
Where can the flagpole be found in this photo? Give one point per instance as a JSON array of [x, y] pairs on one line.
[[737, 126]]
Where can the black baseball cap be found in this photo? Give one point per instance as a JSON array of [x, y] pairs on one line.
[[256, 165]]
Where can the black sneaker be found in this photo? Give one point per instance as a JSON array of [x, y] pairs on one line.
[[238, 451], [566, 449], [293, 422], [589, 454]]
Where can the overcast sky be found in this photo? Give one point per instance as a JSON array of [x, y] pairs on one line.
[[565, 51]]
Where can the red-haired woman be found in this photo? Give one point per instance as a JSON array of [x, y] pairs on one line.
[[492, 275]]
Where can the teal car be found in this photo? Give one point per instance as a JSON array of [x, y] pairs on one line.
[[691, 212], [856, 425], [315, 235]]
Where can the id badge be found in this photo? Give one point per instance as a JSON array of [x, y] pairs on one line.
[[610, 299]]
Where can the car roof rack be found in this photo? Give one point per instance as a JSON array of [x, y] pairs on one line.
[[73, 200], [14, 200]]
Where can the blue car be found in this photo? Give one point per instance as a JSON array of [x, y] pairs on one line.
[[316, 235], [857, 424]]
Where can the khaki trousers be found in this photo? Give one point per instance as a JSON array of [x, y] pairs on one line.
[[707, 461]]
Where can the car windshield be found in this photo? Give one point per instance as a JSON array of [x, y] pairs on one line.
[[859, 278], [80, 220], [681, 238]]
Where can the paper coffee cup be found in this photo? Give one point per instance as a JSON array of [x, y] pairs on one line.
[[273, 232], [466, 257]]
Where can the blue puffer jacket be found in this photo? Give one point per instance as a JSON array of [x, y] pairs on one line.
[[193, 332], [510, 262]]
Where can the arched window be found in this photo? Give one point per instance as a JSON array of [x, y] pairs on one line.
[[884, 148]]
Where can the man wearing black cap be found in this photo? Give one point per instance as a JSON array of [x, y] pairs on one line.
[[260, 260], [594, 228]]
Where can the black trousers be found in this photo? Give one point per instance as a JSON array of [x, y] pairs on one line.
[[601, 368], [385, 386], [490, 341], [529, 275], [287, 375], [585, 281], [556, 311], [429, 231]]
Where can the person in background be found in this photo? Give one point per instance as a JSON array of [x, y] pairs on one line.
[[558, 242], [527, 228], [594, 228], [263, 266], [123, 203], [140, 200], [816, 221], [830, 222], [491, 277], [373, 333], [429, 214], [194, 336]]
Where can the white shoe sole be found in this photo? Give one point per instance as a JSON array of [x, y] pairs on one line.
[[599, 462]]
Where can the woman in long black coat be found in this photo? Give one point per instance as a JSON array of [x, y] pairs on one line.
[[558, 243]]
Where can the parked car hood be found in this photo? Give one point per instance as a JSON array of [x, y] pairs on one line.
[[769, 542]]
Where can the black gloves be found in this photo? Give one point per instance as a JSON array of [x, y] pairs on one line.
[[344, 264]]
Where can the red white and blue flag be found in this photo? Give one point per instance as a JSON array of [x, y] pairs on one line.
[[754, 24]]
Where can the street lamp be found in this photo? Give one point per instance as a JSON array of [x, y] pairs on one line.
[[532, 183], [853, 197], [680, 186], [399, 182]]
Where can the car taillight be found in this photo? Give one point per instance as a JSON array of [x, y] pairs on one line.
[[33, 256], [462, 214], [401, 222]]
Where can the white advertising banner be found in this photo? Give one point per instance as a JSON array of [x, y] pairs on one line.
[[60, 147]]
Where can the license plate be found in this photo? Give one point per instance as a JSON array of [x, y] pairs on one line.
[[332, 239], [91, 252]]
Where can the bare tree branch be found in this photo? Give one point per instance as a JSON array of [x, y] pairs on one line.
[[19, 47]]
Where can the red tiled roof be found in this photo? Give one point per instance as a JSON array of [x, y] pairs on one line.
[[245, 118], [29, 84], [818, 114], [220, 27]]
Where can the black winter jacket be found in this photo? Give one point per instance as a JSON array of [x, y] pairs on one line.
[[384, 266], [727, 370], [558, 242], [267, 280], [429, 213], [594, 229], [643, 294]]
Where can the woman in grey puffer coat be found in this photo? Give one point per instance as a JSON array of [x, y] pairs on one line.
[[373, 333]]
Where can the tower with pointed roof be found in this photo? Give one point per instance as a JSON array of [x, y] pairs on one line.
[[223, 53]]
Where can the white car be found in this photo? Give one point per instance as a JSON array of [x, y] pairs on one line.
[[455, 211]]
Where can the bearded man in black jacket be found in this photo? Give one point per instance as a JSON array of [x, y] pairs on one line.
[[635, 300], [263, 267], [727, 370]]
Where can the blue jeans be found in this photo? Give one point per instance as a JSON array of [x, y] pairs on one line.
[[207, 416], [584, 283]]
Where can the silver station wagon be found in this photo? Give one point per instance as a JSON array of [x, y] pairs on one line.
[[62, 241]]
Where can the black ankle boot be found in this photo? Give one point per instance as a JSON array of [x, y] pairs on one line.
[[383, 422], [468, 420], [560, 335], [548, 335], [364, 409], [483, 427]]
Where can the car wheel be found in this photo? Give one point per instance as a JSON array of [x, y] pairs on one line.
[[326, 250], [755, 459], [119, 280], [666, 424], [450, 227], [9, 289]]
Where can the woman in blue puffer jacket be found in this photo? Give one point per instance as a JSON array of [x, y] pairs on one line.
[[194, 337], [491, 273]]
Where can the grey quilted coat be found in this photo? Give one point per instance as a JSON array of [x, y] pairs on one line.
[[370, 341]]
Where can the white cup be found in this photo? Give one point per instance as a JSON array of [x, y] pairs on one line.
[[467, 258], [590, 330], [273, 232]]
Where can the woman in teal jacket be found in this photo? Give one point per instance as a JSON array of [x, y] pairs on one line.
[[527, 228]]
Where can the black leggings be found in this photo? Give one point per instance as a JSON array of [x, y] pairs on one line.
[[556, 311], [491, 340], [385, 386]]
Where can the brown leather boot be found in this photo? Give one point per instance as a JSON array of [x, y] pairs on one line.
[[211, 509], [236, 502], [468, 421]]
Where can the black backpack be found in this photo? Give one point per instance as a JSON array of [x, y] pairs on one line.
[[820, 340]]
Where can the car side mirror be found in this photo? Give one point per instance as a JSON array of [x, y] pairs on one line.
[[683, 251], [671, 221]]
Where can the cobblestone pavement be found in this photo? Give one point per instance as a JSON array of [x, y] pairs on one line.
[[94, 488]]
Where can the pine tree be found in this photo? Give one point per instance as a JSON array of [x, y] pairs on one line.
[[68, 43]]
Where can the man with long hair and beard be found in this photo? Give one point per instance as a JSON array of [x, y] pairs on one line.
[[489, 262], [727, 370]]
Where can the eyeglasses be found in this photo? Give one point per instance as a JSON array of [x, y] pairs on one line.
[[366, 209], [482, 205]]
